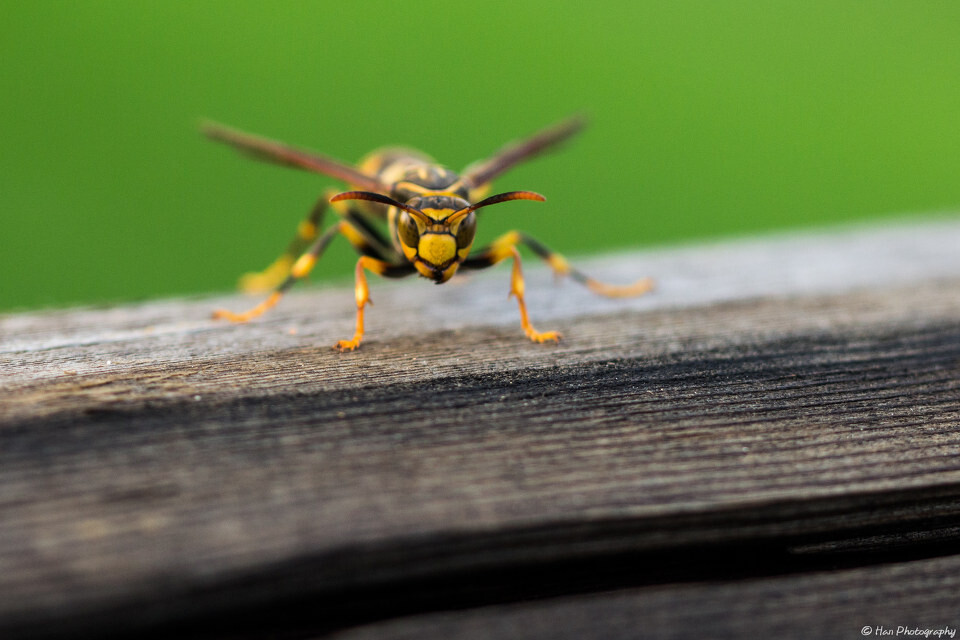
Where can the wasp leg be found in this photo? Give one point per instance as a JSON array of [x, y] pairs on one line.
[[506, 247], [279, 269], [300, 269], [362, 292], [517, 289], [365, 238], [500, 248]]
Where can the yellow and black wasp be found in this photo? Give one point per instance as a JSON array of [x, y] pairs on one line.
[[430, 213]]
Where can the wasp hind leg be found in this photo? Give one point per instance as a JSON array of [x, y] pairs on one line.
[[506, 247], [299, 270], [376, 256], [279, 269], [365, 238], [361, 240]]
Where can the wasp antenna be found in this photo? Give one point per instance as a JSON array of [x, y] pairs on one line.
[[500, 197], [509, 195], [382, 199]]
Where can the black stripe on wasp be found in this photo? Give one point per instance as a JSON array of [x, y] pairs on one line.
[[431, 215]]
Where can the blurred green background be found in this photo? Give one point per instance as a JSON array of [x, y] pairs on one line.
[[707, 118]]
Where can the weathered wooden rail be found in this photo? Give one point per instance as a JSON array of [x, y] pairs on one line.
[[768, 444]]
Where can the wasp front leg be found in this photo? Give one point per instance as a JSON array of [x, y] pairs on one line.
[[517, 287], [362, 292]]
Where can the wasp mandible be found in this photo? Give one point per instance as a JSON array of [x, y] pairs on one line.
[[431, 215]]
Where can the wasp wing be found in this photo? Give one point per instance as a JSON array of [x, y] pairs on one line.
[[280, 153], [514, 153]]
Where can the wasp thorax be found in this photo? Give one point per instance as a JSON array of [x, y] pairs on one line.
[[418, 180]]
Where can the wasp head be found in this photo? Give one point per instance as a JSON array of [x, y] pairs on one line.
[[435, 232]]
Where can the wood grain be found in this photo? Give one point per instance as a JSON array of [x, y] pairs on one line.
[[163, 474], [849, 603]]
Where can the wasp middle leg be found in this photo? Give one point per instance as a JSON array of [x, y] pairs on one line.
[[299, 270]]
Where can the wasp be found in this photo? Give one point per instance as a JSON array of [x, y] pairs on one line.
[[431, 217]]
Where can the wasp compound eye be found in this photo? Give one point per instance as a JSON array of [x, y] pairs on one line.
[[466, 231], [407, 230]]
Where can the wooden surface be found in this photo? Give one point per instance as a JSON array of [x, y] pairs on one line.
[[768, 444]]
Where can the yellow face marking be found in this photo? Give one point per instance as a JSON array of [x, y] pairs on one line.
[[437, 249], [437, 214]]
